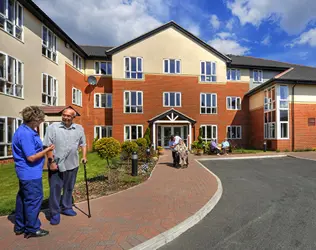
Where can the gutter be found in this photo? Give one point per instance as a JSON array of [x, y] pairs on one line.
[[292, 114]]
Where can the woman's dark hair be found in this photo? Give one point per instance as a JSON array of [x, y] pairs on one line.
[[32, 114]]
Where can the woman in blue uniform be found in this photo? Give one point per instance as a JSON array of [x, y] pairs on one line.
[[29, 157]]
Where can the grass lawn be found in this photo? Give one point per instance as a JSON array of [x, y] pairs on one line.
[[9, 182], [247, 151]]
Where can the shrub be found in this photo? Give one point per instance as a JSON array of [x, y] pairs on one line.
[[147, 136], [93, 144], [142, 142], [128, 147], [108, 148]]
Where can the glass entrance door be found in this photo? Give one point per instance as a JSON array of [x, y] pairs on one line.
[[167, 131]]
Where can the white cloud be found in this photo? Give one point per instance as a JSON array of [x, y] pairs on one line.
[[107, 22], [194, 29], [291, 15], [308, 37], [215, 22], [230, 24], [228, 45], [266, 40]]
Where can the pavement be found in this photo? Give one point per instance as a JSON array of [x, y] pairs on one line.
[[131, 218], [266, 204]]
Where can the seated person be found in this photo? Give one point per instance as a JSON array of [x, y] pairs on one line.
[[214, 148], [182, 150], [225, 146]]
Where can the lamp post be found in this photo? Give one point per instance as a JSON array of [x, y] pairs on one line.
[[134, 164], [265, 146]]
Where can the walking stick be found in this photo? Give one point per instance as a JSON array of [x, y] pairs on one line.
[[87, 189]]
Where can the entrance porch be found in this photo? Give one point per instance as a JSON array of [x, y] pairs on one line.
[[171, 122]]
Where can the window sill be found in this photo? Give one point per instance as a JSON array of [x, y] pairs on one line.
[[102, 75], [21, 41], [209, 114], [50, 59], [172, 106], [77, 105], [13, 96], [134, 79], [233, 109], [211, 82], [133, 113], [102, 108]]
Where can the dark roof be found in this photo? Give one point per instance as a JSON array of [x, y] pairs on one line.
[[95, 51], [175, 112], [37, 12], [253, 62], [56, 110], [166, 26]]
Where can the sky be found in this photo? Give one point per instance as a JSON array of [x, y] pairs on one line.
[[283, 30]]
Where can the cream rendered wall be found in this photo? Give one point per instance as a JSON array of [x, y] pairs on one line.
[[168, 44], [30, 53], [256, 100], [303, 94], [89, 70]]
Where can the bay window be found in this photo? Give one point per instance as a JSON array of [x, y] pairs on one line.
[[284, 111], [269, 113]]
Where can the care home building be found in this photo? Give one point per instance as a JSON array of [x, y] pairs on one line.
[[167, 80]]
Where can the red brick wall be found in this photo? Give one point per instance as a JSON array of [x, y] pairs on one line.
[[90, 116], [256, 136], [154, 86]]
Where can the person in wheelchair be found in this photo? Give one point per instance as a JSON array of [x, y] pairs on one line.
[[182, 151]]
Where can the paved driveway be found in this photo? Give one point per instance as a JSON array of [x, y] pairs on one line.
[[266, 204]]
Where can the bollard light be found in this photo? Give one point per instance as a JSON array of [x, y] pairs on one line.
[[264, 146], [134, 164], [148, 151]]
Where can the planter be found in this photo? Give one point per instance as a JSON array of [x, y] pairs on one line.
[[161, 151], [200, 151]]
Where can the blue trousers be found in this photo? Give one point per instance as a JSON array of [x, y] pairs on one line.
[[59, 181], [28, 205]]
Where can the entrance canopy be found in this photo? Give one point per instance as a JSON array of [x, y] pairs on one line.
[[172, 116], [169, 122]]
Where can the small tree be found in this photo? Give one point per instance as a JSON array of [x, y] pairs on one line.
[[128, 147], [142, 146], [108, 148], [147, 136]]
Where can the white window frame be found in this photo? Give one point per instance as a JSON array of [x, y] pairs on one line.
[[279, 109], [130, 131], [169, 96], [77, 61], [205, 106], [98, 71], [53, 90], [260, 76], [270, 128], [98, 128], [14, 83], [208, 77], [229, 74], [54, 49], [229, 103], [14, 23], [126, 71], [175, 64], [99, 96], [76, 96], [7, 144], [231, 132], [205, 138], [130, 105]]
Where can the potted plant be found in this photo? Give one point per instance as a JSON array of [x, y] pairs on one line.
[[160, 150], [200, 146], [193, 147]]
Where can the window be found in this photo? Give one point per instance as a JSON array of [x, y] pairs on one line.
[[76, 97], [208, 103], [103, 68], [172, 99], [8, 125], [49, 90], [76, 61], [257, 76], [103, 100], [269, 113], [102, 131], [11, 76], [233, 74], [133, 102], [133, 67], [49, 44], [209, 132], [208, 72], [133, 132], [284, 111], [311, 121], [171, 66], [233, 132], [233, 103], [11, 18]]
